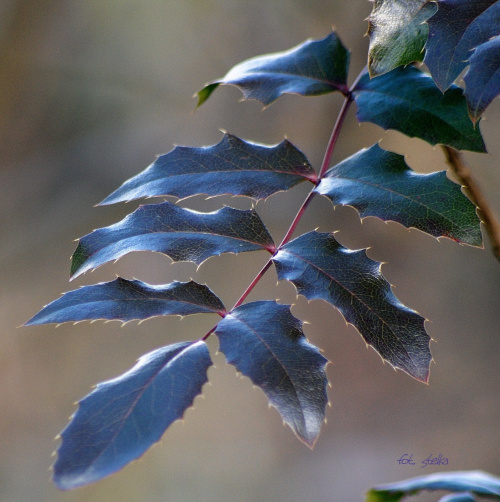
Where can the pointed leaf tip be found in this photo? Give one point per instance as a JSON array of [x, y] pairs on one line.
[[179, 233], [265, 342], [126, 300], [312, 68], [117, 422], [320, 268], [379, 183], [482, 80], [459, 27], [232, 166]]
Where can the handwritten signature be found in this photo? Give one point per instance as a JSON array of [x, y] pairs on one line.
[[430, 460]]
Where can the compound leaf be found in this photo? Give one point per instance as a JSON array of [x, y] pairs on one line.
[[408, 101], [123, 417], [266, 343], [455, 30], [232, 166], [320, 268], [483, 76], [312, 68], [398, 32], [181, 234], [379, 183], [477, 482], [127, 300]]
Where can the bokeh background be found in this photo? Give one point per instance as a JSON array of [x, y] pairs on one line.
[[90, 92]]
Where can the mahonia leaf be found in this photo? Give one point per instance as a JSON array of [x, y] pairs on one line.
[[398, 32], [483, 77], [320, 268], [408, 101], [478, 482], [181, 234], [127, 300], [312, 68], [266, 343], [118, 421], [379, 183], [232, 166], [455, 30]]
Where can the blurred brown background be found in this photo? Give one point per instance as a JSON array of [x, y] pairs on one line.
[[90, 92]]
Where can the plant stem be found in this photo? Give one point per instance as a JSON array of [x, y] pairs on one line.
[[491, 224], [324, 167], [253, 283]]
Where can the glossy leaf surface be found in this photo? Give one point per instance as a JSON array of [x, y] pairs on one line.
[[379, 183], [312, 68], [232, 166], [408, 101], [266, 343], [398, 32], [483, 77], [118, 421], [455, 30], [478, 482], [181, 234], [320, 268], [127, 300]]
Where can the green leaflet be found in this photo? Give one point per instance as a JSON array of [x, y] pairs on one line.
[[407, 100], [379, 183], [398, 32]]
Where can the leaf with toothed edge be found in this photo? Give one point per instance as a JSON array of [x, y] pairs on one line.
[[312, 68], [265, 342], [407, 100], [232, 166], [398, 32], [126, 300], [455, 31], [320, 268], [181, 234], [482, 80], [379, 183], [118, 421]]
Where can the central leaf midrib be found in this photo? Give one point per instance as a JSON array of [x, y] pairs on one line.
[[241, 239], [284, 368], [402, 195], [149, 381], [384, 322], [287, 74]]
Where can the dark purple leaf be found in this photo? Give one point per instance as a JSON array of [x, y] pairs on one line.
[[232, 166], [408, 101], [126, 300], [118, 421], [379, 183], [181, 234], [312, 68], [266, 343], [458, 27], [483, 77], [320, 268]]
